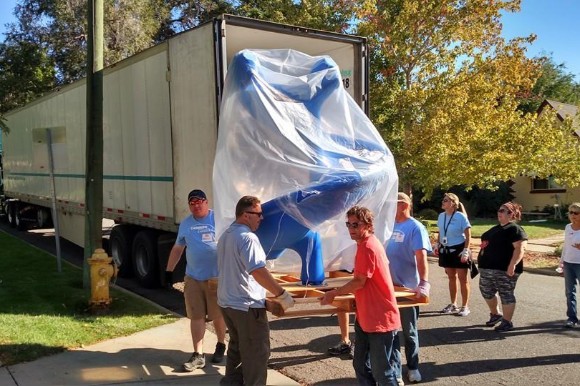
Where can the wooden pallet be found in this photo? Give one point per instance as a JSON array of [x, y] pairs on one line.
[[307, 297]]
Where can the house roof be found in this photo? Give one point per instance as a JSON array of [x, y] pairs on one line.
[[563, 111]]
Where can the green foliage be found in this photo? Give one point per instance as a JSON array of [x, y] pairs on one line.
[[187, 14], [445, 87], [534, 230], [478, 202], [46, 47], [43, 312], [329, 15], [3, 126], [27, 72], [427, 214], [558, 250], [554, 83]]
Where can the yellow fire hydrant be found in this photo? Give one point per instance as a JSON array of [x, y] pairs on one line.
[[101, 273]]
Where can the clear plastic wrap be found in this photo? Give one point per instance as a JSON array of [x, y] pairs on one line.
[[290, 134]]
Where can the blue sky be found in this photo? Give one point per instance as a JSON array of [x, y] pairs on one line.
[[554, 21]]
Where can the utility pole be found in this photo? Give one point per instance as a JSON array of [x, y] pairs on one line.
[[94, 137]]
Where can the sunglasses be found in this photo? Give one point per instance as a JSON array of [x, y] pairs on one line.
[[196, 201], [353, 225], [259, 214], [573, 212], [503, 210], [446, 200]]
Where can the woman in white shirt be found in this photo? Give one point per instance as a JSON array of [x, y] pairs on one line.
[[570, 262]]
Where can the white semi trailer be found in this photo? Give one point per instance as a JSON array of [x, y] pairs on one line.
[[161, 110]]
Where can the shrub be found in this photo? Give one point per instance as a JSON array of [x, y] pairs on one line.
[[427, 214], [478, 202], [558, 250]]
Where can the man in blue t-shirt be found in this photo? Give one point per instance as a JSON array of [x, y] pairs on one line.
[[196, 236], [407, 252]]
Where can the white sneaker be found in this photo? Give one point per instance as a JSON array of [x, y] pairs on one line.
[[450, 309], [464, 311], [400, 382], [414, 376]]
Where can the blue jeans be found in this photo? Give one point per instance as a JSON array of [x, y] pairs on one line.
[[571, 276], [374, 358], [410, 336]]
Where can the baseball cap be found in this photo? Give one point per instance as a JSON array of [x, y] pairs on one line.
[[402, 197], [196, 194]]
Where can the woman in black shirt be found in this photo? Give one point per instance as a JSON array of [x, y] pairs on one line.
[[500, 264]]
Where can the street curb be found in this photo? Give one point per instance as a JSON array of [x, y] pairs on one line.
[[542, 271], [537, 271], [150, 302]]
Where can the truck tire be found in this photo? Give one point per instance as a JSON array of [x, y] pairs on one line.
[[43, 218], [145, 261], [11, 213], [121, 244], [21, 225]]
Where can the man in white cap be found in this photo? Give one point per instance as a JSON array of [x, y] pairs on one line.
[[197, 233], [407, 251]]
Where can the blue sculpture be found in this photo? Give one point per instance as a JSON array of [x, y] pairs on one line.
[[287, 128]]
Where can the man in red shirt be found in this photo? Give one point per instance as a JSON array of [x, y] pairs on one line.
[[377, 315]]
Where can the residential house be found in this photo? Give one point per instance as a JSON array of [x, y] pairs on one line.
[[536, 193]]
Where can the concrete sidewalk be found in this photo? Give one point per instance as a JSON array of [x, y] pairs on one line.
[[546, 245], [151, 357]]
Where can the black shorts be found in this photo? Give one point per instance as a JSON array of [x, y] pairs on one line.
[[449, 256]]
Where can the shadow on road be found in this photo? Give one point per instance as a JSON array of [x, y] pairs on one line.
[[432, 371]]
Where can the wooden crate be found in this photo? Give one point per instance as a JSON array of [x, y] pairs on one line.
[[307, 297]]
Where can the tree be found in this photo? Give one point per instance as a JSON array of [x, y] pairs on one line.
[[46, 47], [56, 29], [27, 72], [187, 14], [554, 83], [59, 28], [445, 87], [329, 15]]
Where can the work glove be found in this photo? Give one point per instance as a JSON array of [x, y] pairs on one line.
[[169, 279], [285, 300], [465, 255], [422, 289]]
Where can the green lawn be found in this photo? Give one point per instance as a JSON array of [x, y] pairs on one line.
[[43, 312], [535, 230]]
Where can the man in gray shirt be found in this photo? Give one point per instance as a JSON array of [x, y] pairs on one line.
[[242, 283]]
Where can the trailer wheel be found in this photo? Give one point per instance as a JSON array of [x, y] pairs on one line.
[[11, 213], [121, 243], [42, 217], [20, 224], [145, 261]]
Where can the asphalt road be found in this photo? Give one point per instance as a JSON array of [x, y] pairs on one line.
[[454, 350]]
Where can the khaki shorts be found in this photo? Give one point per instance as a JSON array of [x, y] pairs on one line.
[[200, 300]]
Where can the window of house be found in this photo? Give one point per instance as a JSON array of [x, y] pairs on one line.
[[541, 185]]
